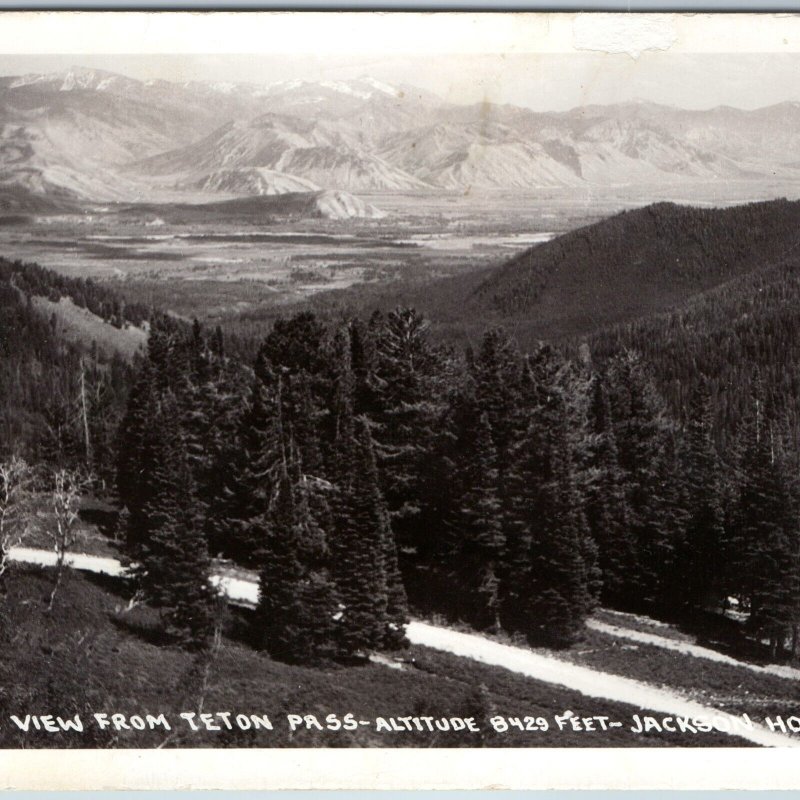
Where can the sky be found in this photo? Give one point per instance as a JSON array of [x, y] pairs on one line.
[[540, 61]]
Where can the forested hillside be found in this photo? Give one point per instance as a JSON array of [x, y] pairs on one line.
[[642, 260], [634, 264], [60, 399], [33, 280], [509, 491], [363, 468], [745, 331]]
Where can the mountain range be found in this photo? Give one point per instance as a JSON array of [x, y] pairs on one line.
[[96, 135]]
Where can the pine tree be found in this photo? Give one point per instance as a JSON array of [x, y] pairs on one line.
[[765, 541], [374, 608], [699, 554], [133, 427], [499, 375], [198, 396], [342, 394], [561, 579], [399, 377], [140, 451], [363, 360], [504, 392], [606, 505], [393, 635], [306, 419], [478, 543], [254, 470], [662, 527], [646, 455], [297, 345], [297, 354], [281, 572], [297, 601], [173, 565], [171, 368]]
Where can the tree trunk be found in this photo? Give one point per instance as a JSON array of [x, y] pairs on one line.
[[57, 583], [85, 418]]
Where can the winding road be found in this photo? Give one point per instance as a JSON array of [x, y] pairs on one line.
[[243, 591]]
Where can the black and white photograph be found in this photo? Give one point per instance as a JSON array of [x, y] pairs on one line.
[[365, 386]]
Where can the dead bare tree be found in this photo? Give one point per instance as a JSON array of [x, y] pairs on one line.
[[16, 485], [84, 415], [67, 487]]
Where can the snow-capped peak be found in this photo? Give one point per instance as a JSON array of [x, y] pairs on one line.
[[380, 86], [343, 87], [28, 80], [75, 78], [285, 86], [81, 78], [361, 88]]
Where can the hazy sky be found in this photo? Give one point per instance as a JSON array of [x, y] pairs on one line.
[[543, 81], [543, 61]]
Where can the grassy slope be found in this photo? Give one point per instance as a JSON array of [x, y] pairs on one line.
[[82, 326], [733, 689], [87, 657], [730, 688]]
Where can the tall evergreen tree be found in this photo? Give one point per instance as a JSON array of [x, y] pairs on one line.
[[210, 395], [342, 392], [561, 579], [662, 527], [254, 469], [606, 504], [699, 554], [364, 552], [765, 540], [297, 601], [404, 390], [477, 540], [172, 563], [297, 353], [131, 440], [646, 455], [504, 392], [498, 371]]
